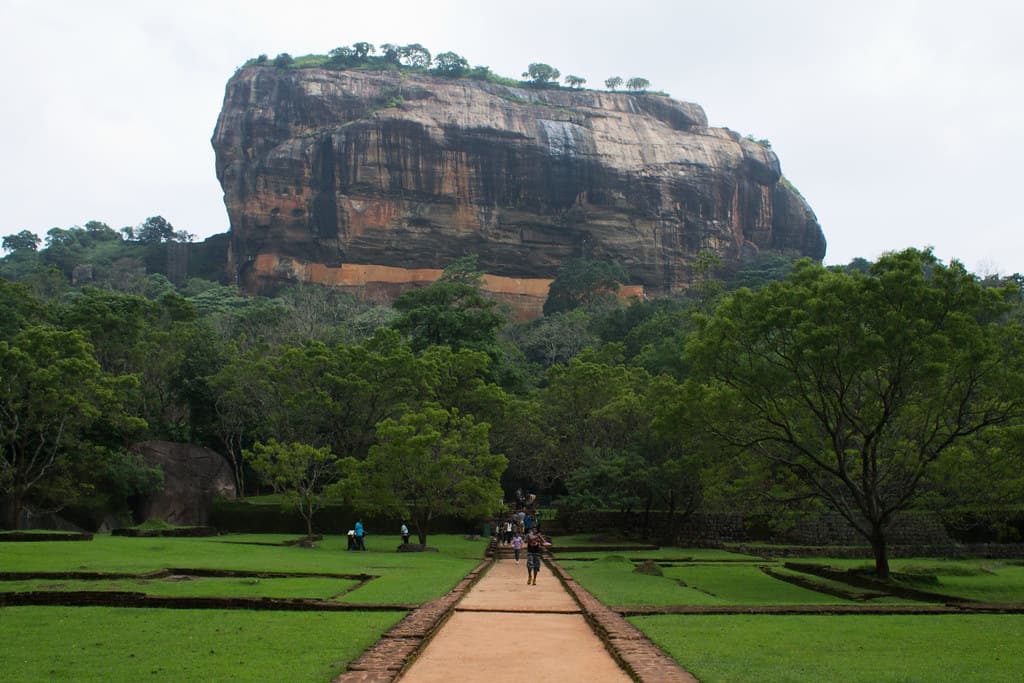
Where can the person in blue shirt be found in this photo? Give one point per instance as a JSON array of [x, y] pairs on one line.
[[359, 534]]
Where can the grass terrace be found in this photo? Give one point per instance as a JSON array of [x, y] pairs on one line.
[[129, 644], [701, 612]]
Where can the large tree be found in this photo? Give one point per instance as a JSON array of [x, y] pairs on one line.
[[21, 241], [450, 64], [301, 473], [431, 462], [52, 392], [854, 386], [584, 283], [542, 74], [452, 311], [638, 84]]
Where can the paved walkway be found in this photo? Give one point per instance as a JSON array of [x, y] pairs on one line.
[[500, 629], [505, 630]]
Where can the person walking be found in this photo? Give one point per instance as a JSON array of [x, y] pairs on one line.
[[360, 532], [405, 534], [517, 545], [534, 548]]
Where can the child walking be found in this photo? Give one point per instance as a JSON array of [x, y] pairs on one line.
[[517, 545]]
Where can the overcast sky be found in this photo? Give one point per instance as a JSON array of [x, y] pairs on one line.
[[901, 122]]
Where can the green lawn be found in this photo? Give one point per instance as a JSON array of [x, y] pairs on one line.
[[973, 579], [746, 585], [177, 646], [765, 648], [666, 553], [613, 581], [873, 649], [403, 577], [235, 587], [113, 644]]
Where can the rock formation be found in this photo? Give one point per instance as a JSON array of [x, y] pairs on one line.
[[376, 180], [193, 476]]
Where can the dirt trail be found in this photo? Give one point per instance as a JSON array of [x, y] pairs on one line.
[[505, 630]]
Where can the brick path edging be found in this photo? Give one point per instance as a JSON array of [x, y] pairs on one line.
[[388, 658], [634, 651]]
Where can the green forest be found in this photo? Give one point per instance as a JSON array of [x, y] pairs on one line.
[[785, 387]]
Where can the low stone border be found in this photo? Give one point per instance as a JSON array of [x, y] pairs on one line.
[[602, 548], [185, 531], [385, 661], [634, 651], [810, 585], [133, 599], [952, 551], [140, 599], [859, 580], [25, 537], [666, 561], [172, 571], [831, 610]]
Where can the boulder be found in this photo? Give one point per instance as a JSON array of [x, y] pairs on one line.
[[193, 476]]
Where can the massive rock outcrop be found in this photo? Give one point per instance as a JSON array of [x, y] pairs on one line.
[[375, 180]]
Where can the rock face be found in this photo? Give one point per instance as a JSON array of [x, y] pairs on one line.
[[193, 475], [375, 180]]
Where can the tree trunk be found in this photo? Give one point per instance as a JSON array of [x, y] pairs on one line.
[[308, 514], [880, 550], [9, 516], [668, 536], [17, 504], [421, 521], [647, 517]]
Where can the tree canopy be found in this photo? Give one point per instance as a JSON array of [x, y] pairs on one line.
[[871, 388], [613, 82], [431, 462], [852, 387], [542, 74], [584, 283]]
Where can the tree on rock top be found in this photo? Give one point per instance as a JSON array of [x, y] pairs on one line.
[[542, 74]]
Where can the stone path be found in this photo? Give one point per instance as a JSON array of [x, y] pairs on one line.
[[507, 631], [493, 627]]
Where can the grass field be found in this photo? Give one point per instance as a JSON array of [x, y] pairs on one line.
[[765, 648], [981, 580], [120, 644], [613, 582], [872, 649], [111, 644], [435, 573], [203, 586]]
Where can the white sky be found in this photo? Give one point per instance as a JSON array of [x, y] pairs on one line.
[[900, 121]]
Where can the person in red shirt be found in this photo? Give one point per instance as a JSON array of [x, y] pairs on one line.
[[534, 548]]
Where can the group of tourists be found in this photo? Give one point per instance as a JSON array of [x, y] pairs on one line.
[[521, 530], [357, 535], [518, 523]]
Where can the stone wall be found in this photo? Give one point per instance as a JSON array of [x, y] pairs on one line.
[[827, 529]]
